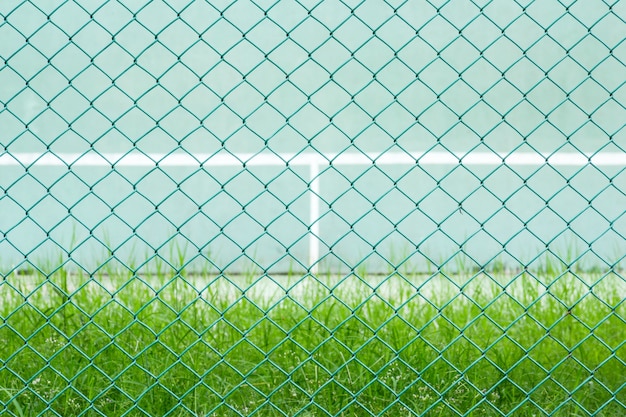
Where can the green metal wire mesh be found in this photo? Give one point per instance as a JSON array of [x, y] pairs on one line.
[[312, 208]]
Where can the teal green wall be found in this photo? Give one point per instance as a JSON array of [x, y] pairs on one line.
[[315, 77]]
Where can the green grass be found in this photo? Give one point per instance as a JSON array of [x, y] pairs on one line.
[[168, 343]]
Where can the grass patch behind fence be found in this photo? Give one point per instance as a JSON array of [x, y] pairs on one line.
[[354, 345]]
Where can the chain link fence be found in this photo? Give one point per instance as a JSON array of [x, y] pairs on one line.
[[312, 208]]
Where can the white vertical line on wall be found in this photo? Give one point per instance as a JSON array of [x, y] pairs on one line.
[[314, 214]]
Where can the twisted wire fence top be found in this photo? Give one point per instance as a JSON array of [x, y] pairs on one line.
[[444, 179]]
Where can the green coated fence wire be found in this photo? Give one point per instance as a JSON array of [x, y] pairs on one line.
[[312, 208]]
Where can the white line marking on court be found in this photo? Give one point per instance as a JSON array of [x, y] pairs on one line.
[[180, 159], [314, 217]]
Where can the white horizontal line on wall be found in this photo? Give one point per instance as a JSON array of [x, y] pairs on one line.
[[179, 159]]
